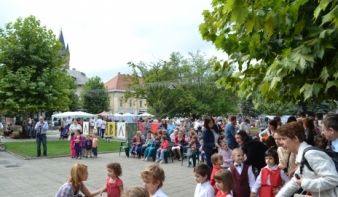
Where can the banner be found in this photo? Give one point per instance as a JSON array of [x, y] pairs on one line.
[[85, 128], [121, 131], [111, 129], [131, 129]]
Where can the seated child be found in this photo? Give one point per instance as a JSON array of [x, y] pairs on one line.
[[203, 187], [137, 143], [173, 135], [224, 183], [153, 177], [225, 151], [242, 174], [271, 178], [191, 154], [145, 145], [155, 144], [163, 148], [217, 161]]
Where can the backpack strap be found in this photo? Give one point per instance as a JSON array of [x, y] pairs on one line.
[[304, 161]]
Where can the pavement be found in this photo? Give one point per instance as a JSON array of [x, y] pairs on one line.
[[42, 177]]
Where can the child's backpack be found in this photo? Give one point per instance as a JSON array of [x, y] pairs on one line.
[[330, 153]]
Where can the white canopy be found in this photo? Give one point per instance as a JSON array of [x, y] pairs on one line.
[[117, 115], [128, 114], [77, 114], [146, 115]]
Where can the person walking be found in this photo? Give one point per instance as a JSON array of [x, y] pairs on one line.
[[41, 128]]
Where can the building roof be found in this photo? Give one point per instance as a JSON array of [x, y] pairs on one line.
[[80, 78], [119, 82]]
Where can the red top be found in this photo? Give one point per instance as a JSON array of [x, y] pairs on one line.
[[113, 189], [164, 145], [215, 169], [275, 180], [220, 194], [179, 142]]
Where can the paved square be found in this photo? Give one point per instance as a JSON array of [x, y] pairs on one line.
[[42, 177]]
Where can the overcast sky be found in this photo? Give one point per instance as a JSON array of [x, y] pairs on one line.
[[104, 35]]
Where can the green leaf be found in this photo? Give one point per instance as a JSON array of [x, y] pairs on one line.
[[274, 82], [249, 25], [269, 25], [330, 84], [239, 13], [265, 87], [217, 66], [299, 27]]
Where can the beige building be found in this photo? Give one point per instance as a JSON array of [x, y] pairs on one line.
[[116, 88]]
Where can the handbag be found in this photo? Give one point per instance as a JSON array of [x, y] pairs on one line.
[[304, 195]]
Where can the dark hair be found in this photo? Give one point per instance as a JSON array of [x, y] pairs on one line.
[[291, 119], [243, 134], [331, 121], [308, 122], [302, 114], [116, 167], [232, 118], [207, 120], [157, 138], [202, 169], [247, 120], [273, 123], [164, 137], [291, 130], [272, 153]]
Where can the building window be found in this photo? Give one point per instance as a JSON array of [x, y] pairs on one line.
[[130, 103], [140, 103], [121, 102]]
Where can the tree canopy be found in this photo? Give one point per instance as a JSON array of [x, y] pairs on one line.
[[282, 50], [94, 96], [30, 69], [181, 87]]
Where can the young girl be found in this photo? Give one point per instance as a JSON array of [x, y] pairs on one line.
[[163, 148], [226, 153], [137, 143], [190, 134], [78, 144], [191, 154], [94, 145], [179, 141], [114, 185], [271, 178], [145, 145], [224, 183], [202, 153], [136, 192], [72, 145], [155, 144], [89, 145]]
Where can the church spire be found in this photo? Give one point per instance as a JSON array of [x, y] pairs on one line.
[[61, 39]]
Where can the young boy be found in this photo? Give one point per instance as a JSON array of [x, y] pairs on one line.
[[242, 174], [203, 187], [217, 161], [153, 178]]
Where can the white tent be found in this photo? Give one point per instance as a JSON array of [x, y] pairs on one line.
[[77, 114], [117, 115], [146, 115], [128, 114]]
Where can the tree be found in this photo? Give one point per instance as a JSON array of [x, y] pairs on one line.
[[283, 50], [94, 96], [181, 87], [30, 69]]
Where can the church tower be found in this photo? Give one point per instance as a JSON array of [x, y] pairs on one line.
[[64, 50]]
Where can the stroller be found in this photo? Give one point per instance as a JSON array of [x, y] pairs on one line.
[[64, 132]]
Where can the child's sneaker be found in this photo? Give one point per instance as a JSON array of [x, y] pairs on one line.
[[162, 161], [188, 165], [157, 160]]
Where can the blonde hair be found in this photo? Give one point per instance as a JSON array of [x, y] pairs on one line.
[[76, 173], [215, 157], [237, 150], [226, 178], [138, 133], [136, 192], [153, 173]]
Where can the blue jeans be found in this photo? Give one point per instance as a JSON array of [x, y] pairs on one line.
[[41, 138], [160, 154], [102, 132], [94, 150]]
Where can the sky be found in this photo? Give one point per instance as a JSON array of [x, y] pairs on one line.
[[105, 35]]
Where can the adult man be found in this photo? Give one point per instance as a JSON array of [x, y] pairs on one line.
[[92, 124], [230, 133], [177, 122], [99, 125], [330, 130], [41, 128]]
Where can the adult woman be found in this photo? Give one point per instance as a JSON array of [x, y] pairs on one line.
[[323, 178], [253, 149], [170, 127], [309, 130], [272, 126], [74, 185], [74, 127], [211, 139]]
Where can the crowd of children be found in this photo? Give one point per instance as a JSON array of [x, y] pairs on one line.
[[81, 146]]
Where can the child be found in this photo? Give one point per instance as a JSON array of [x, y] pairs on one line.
[[202, 153], [217, 161], [136, 192], [137, 143], [114, 185], [191, 154], [72, 145], [320, 141], [242, 174], [78, 144], [153, 178], [224, 183], [89, 145], [173, 135], [199, 134], [178, 142], [203, 187], [94, 145], [155, 144], [226, 153], [145, 145], [271, 178], [163, 148]]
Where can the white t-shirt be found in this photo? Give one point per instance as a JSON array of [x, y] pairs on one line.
[[92, 122], [74, 128], [69, 121], [103, 124], [159, 193], [196, 125], [99, 123], [1, 126], [204, 190]]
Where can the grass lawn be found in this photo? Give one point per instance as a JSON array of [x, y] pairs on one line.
[[55, 148]]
